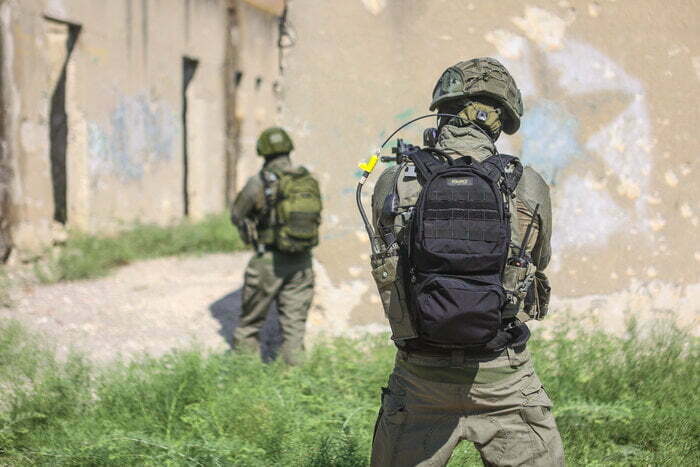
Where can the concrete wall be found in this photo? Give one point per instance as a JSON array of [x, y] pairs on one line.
[[610, 91], [124, 108]]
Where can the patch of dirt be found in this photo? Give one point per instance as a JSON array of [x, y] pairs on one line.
[[159, 305], [146, 307]]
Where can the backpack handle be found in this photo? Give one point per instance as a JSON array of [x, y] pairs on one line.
[[428, 160]]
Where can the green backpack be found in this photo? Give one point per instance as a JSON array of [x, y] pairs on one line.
[[295, 209]]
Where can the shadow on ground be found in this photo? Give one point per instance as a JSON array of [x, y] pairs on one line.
[[227, 311]]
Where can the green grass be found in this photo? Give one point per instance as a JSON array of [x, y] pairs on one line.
[[618, 402], [86, 256]]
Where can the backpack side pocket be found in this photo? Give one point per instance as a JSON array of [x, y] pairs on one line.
[[387, 275]]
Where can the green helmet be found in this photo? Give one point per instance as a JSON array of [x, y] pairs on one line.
[[274, 140], [485, 77]]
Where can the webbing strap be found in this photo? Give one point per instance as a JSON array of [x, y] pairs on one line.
[[425, 163]]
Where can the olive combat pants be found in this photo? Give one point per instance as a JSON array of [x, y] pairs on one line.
[[288, 279], [498, 404]]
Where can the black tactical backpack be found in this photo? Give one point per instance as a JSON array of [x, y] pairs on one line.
[[458, 244]]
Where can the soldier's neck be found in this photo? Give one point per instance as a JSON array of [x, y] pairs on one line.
[[279, 161], [465, 140]]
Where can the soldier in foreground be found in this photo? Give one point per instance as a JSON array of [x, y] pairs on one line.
[[461, 236], [278, 212]]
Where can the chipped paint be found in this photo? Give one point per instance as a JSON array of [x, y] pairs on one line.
[[686, 211], [671, 178], [374, 6], [543, 27], [657, 223], [594, 9], [508, 44]]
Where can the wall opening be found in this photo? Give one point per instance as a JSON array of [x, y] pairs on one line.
[[189, 67], [64, 35], [5, 170]]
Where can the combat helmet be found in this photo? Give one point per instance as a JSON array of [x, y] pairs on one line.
[[273, 141], [485, 77]]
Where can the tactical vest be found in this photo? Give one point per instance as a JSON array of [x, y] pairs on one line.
[[293, 210], [449, 281]]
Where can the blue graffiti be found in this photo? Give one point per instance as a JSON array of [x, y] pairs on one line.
[[140, 132], [550, 139], [404, 115]]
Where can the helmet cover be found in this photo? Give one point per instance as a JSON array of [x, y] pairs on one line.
[[274, 140], [485, 77]]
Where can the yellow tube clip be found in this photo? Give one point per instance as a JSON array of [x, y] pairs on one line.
[[369, 165]]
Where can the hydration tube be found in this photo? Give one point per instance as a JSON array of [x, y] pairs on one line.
[[368, 167]]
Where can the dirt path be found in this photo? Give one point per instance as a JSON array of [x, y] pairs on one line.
[[158, 305], [149, 306]]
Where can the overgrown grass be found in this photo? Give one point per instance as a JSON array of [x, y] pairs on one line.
[[618, 402], [86, 256]]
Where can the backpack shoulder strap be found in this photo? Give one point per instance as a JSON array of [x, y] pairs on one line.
[[497, 167], [298, 171], [269, 177]]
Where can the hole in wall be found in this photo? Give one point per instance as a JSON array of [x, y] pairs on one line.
[[237, 77], [189, 67], [258, 82], [58, 127]]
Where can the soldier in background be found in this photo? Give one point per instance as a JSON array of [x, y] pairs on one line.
[[439, 395], [278, 212]]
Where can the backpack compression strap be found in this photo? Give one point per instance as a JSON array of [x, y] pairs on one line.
[[496, 166]]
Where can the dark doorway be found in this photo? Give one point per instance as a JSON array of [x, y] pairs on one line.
[[58, 128], [189, 67], [5, 173]]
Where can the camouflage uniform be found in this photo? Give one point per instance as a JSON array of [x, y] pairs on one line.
[[435, 400], [271, 275]]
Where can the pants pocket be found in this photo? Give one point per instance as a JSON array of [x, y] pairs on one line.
[[388, 428], [537, 414], [544, 433]]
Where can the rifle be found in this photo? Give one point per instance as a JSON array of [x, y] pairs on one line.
[[251, 233]]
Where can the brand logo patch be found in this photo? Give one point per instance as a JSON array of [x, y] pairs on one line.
[[460, 181]]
